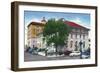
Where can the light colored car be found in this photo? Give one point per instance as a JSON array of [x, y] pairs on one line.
[[85, 56], [74, 53]]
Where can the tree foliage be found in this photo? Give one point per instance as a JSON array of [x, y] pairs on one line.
[[56, 32]]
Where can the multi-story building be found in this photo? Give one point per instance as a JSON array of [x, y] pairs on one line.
[[79, 34], [34, 29]]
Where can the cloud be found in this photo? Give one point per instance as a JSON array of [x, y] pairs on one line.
[[80, 22], [77, 20]]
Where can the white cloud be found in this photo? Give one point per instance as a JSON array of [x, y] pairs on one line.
[[77, 20], [80, 22]]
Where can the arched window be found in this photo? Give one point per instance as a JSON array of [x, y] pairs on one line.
[[71, 35], [84, 44], [76, 36], [83, 36], [80, 35], [89, 40], [76, 47], [71, 44]]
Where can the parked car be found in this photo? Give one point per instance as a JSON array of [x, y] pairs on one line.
[[51, 52], [86, 54], [27, 49], [31, 50], [74, 53], [41, 49], [67, 52]]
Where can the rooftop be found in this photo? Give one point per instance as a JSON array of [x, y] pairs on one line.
[[36, 23], [72, 24]]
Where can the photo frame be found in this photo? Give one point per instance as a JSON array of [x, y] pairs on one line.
[[39, 40]]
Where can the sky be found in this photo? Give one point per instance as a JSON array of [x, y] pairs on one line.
[[80, 18], [36, 16]]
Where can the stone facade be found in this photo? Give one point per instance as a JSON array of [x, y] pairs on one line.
[[77, 35]]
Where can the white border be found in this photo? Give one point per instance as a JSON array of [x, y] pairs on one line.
[[23, 64]]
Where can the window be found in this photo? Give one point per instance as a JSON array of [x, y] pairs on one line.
[[89, 40], [71, 44], [76, 47], [76, 36], [76, 30], [80, 35], [71, 35], [84, 44], [84, 36]]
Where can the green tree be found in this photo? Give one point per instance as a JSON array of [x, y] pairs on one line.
[[56, 32]]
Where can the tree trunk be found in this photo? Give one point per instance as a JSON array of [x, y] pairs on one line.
[[56, 50], [46, 53]]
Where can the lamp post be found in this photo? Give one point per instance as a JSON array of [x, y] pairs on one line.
[[80, 43]]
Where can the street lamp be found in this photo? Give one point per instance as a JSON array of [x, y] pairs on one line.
[[80, 43]]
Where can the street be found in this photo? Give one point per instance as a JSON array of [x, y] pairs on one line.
[[30, 57]]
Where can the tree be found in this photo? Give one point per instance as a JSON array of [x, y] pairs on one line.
[[56, 32]]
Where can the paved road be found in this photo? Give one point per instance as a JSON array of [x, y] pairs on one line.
[[30, 57]]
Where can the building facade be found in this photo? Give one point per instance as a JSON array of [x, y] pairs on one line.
[[78, 36], [33, 36]]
